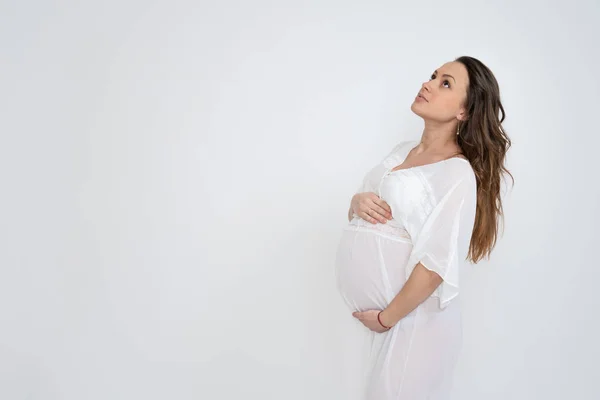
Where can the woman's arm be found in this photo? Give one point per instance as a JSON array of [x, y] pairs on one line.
[[420, 285], [438, 249]]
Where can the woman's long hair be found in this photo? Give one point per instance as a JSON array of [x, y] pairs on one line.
[[485, 143]]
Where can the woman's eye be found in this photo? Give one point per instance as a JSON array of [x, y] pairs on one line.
[[445, 81]]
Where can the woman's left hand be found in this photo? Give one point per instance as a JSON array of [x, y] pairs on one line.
[[369, 319]]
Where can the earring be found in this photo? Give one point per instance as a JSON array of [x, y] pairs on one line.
[[458, 128]]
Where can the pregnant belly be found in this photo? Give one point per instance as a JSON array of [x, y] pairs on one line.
[[370, 265]]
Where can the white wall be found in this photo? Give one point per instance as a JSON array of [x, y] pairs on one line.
[[175, 177]]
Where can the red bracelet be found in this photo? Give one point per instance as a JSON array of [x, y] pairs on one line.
[[379, 319]]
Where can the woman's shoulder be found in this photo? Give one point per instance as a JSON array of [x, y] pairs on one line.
[[450, 173], [399, 146], [399, 150]]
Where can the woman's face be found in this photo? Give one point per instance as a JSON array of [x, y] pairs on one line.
[[444, 94]]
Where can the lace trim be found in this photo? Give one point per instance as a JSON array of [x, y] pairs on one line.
[[388, 229]]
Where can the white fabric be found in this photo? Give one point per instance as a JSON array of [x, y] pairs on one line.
[[433, 209]]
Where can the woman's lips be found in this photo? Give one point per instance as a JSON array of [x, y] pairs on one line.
[[419, 98]]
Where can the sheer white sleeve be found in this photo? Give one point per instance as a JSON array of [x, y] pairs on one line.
[[443, 241]]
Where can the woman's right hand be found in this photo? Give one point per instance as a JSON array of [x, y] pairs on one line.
[[370, 207]]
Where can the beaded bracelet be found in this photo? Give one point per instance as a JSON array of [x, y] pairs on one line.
[[379, 319]]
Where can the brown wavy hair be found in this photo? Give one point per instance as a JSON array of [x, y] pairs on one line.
[[484, 142]]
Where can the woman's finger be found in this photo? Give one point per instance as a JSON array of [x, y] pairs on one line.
[[381, 214], [374, 213], [382, 208], [367, 217], [383, 204]]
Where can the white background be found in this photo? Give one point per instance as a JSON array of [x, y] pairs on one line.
[[175, 177]]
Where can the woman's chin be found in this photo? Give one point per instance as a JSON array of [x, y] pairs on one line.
[[414, 107]]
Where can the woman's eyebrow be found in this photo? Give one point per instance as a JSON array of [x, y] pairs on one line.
[[435, 72]]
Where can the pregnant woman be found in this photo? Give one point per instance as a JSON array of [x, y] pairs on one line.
[[425, 210]]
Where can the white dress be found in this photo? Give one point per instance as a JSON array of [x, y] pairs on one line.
[[433, 209]]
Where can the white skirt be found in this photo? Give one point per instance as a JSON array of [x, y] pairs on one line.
[[415, 359]]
